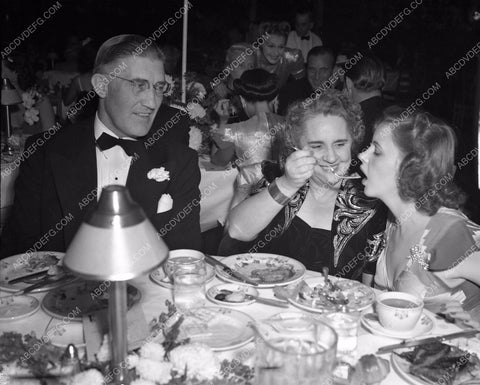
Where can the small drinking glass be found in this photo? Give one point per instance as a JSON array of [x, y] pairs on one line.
[[304, 354], [189, 276], [346, 326]]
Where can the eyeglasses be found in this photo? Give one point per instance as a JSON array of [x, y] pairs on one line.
[[141, 85]]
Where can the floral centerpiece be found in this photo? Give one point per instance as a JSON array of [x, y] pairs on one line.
[[173, 361], [29, 99], [199, 105]]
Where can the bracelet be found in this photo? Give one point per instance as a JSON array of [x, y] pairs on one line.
[[276, 194]]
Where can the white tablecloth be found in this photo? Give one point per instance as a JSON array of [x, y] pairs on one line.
[[216, 188], [153, 303]]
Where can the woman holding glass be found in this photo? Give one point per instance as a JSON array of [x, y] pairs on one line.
[[432, 249], [313, 213]]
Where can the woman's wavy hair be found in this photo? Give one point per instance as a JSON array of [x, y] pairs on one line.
[[281, 28], [428, 166], [257, 85], [330, 102]]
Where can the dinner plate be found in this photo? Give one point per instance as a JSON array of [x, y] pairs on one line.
[[372, 324], [219, 328], [268, 270], [232, 294], [359, 296], [82, 297], [20, 265], [158, 276], [402, 367], [20, 306], [65, 333]]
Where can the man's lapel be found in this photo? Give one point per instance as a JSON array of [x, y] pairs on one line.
[[74, 168], [146, 192]]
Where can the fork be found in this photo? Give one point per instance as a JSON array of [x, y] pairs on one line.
[[332, 170]]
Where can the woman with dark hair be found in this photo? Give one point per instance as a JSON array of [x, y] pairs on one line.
[[273, 57], [432, 249], [249, 142], [317, 216]]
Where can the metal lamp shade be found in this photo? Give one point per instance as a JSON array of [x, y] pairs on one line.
[[10, 95], [116, 242]]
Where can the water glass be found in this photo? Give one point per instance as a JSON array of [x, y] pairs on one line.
[[346, 326], [189, 276], [303, 357]]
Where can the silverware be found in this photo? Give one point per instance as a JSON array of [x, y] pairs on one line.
[[332, 170], [27, 276], [410, 343], [66, 279], [271, 301], [215, 262]]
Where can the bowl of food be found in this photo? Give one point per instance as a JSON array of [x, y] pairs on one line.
[[398, 311]]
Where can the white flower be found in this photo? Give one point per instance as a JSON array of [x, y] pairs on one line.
[[198, 90], [153, 351], [195, 110], [156, 371], [132, 360], [88, 377], [159, 174], [104, 354], [31, 115], [195, 138], [200, 361], [28, 99]]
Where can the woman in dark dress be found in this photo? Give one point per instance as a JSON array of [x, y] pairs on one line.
[[311, 213]]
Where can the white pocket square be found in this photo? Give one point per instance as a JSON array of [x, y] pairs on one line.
[[165, 203]]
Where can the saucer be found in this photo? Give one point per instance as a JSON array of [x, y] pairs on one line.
[[372, 324], [232, 294]]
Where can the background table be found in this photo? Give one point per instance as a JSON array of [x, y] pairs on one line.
[[152, 304]]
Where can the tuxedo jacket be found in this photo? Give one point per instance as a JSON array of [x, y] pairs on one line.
[[57, 186]]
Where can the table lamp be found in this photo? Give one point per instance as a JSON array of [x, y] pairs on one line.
[[116, 242], [10, 97]]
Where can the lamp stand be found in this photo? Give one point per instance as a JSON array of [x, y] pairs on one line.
[[7, 149], [117, 316]]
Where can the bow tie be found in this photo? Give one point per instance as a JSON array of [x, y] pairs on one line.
[[305, 37], [105, 142]]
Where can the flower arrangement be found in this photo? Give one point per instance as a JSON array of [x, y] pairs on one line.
[[171, 362], [199, 105], [29, 99]]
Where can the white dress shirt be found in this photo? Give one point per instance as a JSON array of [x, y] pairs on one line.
[[112, 164], [295, 41]]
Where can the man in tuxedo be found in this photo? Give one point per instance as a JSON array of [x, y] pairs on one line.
[[63, 179], [320, 63]]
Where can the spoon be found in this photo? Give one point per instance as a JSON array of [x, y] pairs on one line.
[[332, 170]]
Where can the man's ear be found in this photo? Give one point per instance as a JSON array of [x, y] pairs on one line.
[[100, 85]]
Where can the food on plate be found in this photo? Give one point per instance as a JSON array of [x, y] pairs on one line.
[[41, 261], [322, 294], [274, 274], [231, 296], [369, 370], [438, 362]]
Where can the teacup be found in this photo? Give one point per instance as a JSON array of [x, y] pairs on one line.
[[177, 258], [398, 311]]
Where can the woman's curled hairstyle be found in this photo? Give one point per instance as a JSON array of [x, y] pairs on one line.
[[426, 173], [330, 102]]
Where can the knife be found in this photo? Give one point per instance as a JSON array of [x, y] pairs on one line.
[[410, 343], [63, 281], [27, 276], [215, 262]]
